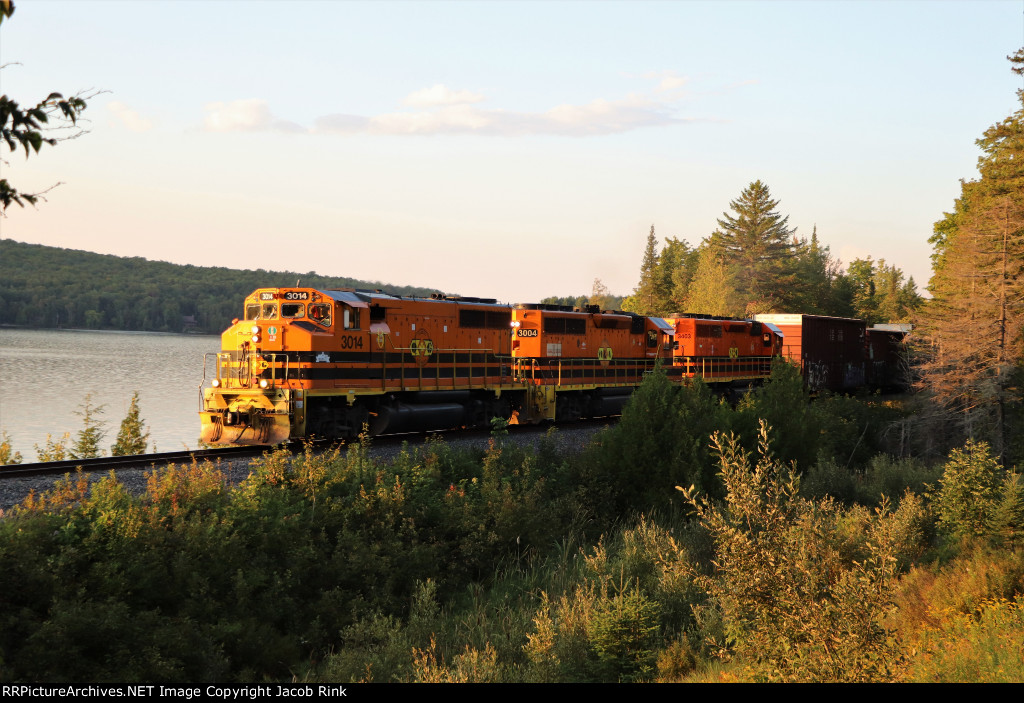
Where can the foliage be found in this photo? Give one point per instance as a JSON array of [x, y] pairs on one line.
[[757, 244], [783, 403], [661, 440], [27, 128], [132, 437], [43, 286], [88, 439], [791, 605], [7, 456], [971, 341], [977, 497], [963, 617], [880, 295], [712, 290], [54, 450]]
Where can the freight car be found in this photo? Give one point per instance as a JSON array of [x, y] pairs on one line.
[[886, 366], [324, 363], [829, 351], [841, 354]]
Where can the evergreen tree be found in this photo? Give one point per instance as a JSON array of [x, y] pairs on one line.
[[861, 273], [87, 442], [671, 263], [133, 436], [818, 274], [645, 296], [757, 244], [972, 326]]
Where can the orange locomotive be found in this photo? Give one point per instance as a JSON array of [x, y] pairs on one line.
[[325, 363]]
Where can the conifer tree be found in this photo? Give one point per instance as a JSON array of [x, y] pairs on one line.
[[757, 243], [818, 275], [133, 436], [645, 295], [87, 442], [973, 325]]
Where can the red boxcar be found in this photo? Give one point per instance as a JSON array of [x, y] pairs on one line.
[[828, 350]]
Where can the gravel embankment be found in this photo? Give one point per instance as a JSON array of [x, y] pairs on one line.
[[569, 439]]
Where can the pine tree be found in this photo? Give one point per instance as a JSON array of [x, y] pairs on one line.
[[818, 274], [758, 246], [972, 327], [133, 436], [645, 296], [87, 442]]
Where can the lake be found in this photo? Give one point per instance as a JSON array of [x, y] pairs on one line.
[[46, 374]]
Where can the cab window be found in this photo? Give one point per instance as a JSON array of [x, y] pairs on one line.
[[320, 313], [269, 311], [292, 309], [252, 311], [350, 318]]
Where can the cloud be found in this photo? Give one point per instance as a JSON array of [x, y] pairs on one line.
[[594, 118], [668, 81], [442, 110], [244, 116], [440, 95], [129, 118]]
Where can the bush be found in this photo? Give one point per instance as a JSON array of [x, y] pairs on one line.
[[791, 605], [133, 436], [977, 497], [662, 439]]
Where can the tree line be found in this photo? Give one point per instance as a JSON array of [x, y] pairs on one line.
[[971, 351], [754, 263], [49, 287]]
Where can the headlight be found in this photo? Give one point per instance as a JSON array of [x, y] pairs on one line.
[[215, 383], [255, 329], [264, 383], [255, 338]]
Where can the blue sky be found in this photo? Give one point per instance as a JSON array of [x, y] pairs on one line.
[[505, 149]]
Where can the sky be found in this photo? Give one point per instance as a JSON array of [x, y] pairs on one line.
[[513, 150]]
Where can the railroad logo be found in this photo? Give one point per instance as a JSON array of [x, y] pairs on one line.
[[380, 340], [734, 353], [323, 357], [271, 330], [604, 354], [259, 365], [421, 348]]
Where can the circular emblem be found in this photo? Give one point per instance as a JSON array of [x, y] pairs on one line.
[[271, 330], [422, 347]]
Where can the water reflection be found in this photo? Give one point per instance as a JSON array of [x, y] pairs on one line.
[[45, 375]]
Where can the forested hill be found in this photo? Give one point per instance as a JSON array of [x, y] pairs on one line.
[[43, 286]]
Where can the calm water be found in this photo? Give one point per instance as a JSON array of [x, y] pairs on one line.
[[45, 375]]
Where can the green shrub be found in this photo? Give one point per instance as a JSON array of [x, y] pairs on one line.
[[790, 604], [977, 497], [132, 437]]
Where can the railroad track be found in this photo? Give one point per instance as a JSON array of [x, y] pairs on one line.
[[107, 463]]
